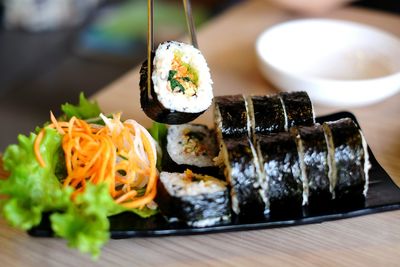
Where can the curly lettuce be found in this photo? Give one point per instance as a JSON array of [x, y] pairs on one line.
[[31, 189], [84, 110], [84, 224]]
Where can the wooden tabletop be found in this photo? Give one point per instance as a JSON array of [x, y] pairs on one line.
[[228, 45]]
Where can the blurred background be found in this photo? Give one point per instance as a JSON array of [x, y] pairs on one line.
[[50, 50]]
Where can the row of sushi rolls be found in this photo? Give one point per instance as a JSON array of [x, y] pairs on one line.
[[265, 154]]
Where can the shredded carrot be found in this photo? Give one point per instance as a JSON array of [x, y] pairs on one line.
[[56, 124], [121, 154], [124, 197], [36, 148]]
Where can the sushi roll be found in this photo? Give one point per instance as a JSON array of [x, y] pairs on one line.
[[298, 109], [231, 116], [181, 85], [348, 158], [191, 146], [242, 172], [280, 166], [197, 200], [313, 154], [266, 114]]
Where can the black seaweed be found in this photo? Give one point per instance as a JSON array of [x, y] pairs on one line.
[[244, 177], [349, 157], [169, 165], [280, 163], [299, 109], [269, 115], [233, 115], [194, 208], [316, 162], [155, 109]]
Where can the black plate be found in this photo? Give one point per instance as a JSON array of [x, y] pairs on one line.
[[383, 195]]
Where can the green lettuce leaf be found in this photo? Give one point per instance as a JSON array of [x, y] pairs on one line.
[[84, 110], [31, 189], [84, 224], [159, 132]]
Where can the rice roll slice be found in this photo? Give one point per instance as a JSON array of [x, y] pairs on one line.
[[298, 109], [197, 200], [242, 172], [313, 153], [348, 158], [268, 115], [231, 116], [280, 167], [181, 85], [191, 146]]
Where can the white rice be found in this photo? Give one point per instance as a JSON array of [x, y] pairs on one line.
[[208, 221], [332, 172], [367, 164], [176, 146], [176, 101]]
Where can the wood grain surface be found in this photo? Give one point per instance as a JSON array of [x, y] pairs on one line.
[[228, 44]]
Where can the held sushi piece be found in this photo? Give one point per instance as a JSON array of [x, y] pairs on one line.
[[266, 114], [242, 172], [348, 158], [232, 116], [197, 200], [298, 109], [313, 154], [280, 167], [181, 85], [192, 146]]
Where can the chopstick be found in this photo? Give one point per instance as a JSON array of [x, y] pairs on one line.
[[190, 22], [150, 35], [150, 43]]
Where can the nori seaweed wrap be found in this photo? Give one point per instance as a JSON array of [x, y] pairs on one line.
[[267, 114], [313, 152], [231, 116], [242, 172], [280, 166], [348, 158], [298, 109], [197, 200]]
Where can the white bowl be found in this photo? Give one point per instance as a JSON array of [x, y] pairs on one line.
[[338, 63]]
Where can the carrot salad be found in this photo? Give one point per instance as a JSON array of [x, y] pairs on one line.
[[122, 154]]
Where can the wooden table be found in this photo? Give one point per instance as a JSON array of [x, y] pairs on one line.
[[228, 44]]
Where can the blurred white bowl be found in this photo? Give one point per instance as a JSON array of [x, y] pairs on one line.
[[338, 63]]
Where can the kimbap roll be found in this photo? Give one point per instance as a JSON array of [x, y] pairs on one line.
[[266, 114], [197, 200], [242, 172], [191, 146], [280, 166], [298, 109], [313, 153], [181, 85], [231, 116], [348, 158]]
